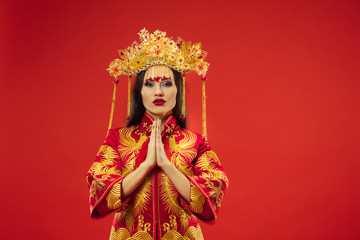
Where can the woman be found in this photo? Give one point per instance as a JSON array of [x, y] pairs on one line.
[[156, 175]]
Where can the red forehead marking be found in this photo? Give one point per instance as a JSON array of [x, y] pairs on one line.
[[157, 79]]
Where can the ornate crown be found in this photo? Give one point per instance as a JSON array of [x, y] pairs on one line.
[[158, 49]]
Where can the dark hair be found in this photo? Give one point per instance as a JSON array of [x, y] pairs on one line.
[[137, 110]]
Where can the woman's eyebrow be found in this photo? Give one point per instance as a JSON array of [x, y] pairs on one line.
[[149, 80], [158, 79]]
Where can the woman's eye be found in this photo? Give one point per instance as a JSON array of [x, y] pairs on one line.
[[167, 84], [149, 84]]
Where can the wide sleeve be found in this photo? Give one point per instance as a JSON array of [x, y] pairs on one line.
[[104, 179], [207, 185]]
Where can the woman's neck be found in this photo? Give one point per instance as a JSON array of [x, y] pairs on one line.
[[161, 117]]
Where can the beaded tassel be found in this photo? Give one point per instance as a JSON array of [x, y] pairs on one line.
[[129, 95], [183, 99], [204, 131], [112, 105]]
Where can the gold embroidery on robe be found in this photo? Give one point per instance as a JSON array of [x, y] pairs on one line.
[[137, 217], [170, 229], [129, 149], [123, 234], [169, 194], [139, 202], [107, 165], [113, 199], [197, 199], [183, 150]]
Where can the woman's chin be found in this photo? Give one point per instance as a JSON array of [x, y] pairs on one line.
[[159, 114]]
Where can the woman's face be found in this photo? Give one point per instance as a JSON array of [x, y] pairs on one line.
[[159, 91]]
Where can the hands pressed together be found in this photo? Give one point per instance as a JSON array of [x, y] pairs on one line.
[[156, 155]]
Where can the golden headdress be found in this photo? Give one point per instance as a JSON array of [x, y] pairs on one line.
[[158, 49]]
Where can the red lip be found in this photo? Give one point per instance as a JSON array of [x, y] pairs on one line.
[[159, 101]]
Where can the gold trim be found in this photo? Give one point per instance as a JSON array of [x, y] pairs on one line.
[[204, 130], [129, 95], [183, 113], [112, 107]]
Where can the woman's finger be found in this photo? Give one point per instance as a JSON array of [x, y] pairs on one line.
[[152, 135], [156, 131], [159, 133], [158, 138], [160, 146]]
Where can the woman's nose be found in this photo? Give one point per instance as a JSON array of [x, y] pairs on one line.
[[158, 90]]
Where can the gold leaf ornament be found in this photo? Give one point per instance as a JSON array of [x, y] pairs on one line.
[[158, 49]]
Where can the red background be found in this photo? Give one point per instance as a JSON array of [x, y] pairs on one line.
[[283, 111]]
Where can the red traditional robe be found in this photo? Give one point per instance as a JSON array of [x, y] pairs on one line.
[[155, 210]]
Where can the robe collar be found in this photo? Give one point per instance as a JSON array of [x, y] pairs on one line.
[[170, 125]]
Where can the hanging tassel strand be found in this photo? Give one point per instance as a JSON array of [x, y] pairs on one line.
[[112, 106], [129, 94], [204, 130], [183, 113]]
